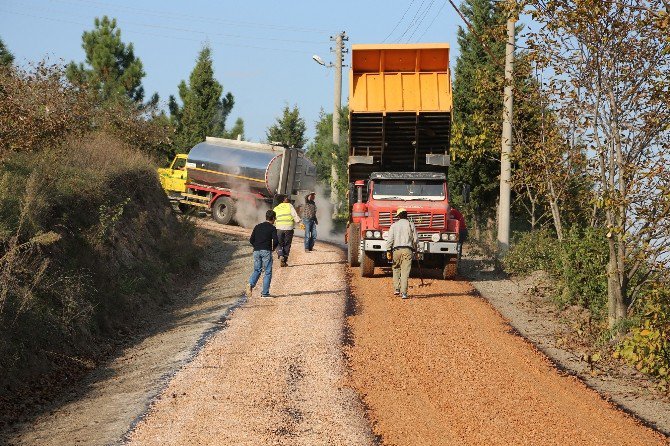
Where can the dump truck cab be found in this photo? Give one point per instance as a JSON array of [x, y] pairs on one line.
[[400, 108]]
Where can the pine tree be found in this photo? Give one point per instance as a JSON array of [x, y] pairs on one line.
[[289, 129], [478, 86], [111, 69], [236, 131], [6, 57], [204, 111]]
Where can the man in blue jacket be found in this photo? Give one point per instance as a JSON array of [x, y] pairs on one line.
[[264, 240]]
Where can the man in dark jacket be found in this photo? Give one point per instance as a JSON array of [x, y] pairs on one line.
[[310, 221], [264, 240]]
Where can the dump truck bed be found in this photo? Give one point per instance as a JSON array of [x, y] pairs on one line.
[[400, 107]]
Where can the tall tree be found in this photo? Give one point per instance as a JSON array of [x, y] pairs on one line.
[[289, 129], [609, 63], [320, 150], [6, 57], [478, 86], [111, 68], [203, 111]]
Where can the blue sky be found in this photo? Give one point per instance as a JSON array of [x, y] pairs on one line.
[[262, 49]]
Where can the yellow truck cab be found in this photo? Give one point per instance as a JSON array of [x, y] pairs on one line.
[[173, 178]]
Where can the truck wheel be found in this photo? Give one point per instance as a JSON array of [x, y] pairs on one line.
[[367, 265], [353, 244], [223, 210], [450, 270], [186, 208]]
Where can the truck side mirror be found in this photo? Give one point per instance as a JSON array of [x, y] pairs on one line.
[[465, 193]]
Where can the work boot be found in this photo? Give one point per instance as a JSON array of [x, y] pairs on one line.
[[282, 261], [249, 289]]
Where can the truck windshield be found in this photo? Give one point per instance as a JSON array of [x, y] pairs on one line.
[[408, 190]]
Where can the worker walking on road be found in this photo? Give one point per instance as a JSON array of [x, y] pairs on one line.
[[264, 240], [287, 217], [310, 221], [400, 246]]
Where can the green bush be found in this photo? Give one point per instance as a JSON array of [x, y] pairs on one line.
[[532, 251], [647, 346], [582, 270], [577, 265]]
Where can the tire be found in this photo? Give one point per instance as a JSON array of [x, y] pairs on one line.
[[450, 270], [353, 244], [367, 264], [223, 210], [186, 208]]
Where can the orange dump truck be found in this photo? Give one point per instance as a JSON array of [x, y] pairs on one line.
[[400, 105]]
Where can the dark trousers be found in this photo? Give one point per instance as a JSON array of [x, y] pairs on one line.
[[285, 239]]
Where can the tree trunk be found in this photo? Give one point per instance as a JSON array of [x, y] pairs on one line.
[[616, 294]]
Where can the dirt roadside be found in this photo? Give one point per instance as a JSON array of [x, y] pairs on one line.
[[539, 321], [444, 368], [100, 410], [275, 375]]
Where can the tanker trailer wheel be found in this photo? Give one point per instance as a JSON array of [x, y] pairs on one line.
[[223, 210], [186, 209], [367, 264], [353, 244], [450, 270]]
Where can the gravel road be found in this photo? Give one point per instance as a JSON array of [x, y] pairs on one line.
[[275, 375], [444, 368]]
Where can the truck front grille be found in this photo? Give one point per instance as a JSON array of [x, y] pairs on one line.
[[420, 219]]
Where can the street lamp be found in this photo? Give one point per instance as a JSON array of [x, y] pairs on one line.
[[320, 61]]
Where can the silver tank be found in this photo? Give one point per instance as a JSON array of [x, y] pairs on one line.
[[247, 167]]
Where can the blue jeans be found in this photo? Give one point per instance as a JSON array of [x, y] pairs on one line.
[[310, 232], [262, 261]]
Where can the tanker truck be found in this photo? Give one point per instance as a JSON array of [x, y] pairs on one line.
[[217, 173], [400, 104]]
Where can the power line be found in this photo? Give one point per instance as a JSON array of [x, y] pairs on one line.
[[494, 59], [423, 17], [180, 16], [52, 19], [412, 21], [171, 28], [399, 21], [432, 21]]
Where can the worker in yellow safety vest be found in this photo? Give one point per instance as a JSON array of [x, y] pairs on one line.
[[287, 217]]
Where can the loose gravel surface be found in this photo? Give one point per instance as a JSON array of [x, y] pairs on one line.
[[275, 375], [444, 368]]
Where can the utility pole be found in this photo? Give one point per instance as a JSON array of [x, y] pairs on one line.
[[505, 165], [339, 58]]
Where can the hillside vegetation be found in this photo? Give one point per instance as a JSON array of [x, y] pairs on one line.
[[89, 244]]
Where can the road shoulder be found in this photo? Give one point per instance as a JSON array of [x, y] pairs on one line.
[[100, 409]]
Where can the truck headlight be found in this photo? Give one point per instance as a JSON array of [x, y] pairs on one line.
[[435, 237], [368, 234], [453, 237], [378, 234], [445, 237], [385, 235]]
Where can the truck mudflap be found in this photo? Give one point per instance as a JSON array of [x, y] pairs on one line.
[[446, 248]]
